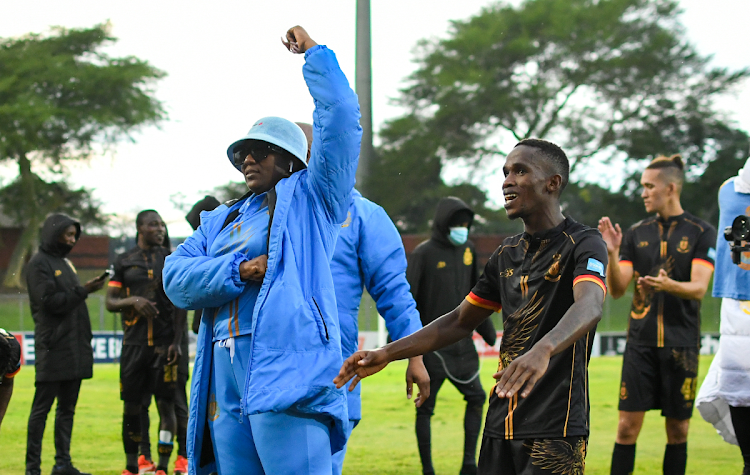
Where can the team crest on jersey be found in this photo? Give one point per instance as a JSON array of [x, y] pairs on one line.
[[553, 273], [684, 245], [348, 220], [441, 264], [58, 272], [468, 257]]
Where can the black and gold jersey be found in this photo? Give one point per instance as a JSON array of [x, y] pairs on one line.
[[531, 278], [10, 356], [138, 273], [674, 244]]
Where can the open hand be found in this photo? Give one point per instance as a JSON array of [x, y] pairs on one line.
[[254, 269], [145, 307], [297, 40], [612, 235], [417, 373], [522, 373], [361, 365]]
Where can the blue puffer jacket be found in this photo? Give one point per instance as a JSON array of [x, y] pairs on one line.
[[296, 346], [369, 253]]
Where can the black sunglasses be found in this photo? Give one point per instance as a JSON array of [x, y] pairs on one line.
[[259, 150]]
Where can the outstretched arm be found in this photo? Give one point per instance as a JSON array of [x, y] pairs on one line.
[[450, 328], [523, 372], [337, 135]]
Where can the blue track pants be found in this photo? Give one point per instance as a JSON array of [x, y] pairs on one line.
[[269, 443]]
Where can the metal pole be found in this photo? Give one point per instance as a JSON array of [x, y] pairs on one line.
[[101, 312], [20, 311], [363, 87]]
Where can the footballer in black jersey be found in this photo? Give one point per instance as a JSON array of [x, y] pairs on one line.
[[549, 284], [670, 259], [153, 332]]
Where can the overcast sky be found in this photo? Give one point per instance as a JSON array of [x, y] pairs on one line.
[[226, 68]]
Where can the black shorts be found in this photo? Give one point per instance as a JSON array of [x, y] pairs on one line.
[[659, 378], [532, 456], [144, 371]]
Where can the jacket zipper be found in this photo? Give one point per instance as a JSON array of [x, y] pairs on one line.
[[321, 317]]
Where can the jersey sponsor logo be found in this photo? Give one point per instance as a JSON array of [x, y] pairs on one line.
[[441, 264], [553, 273], [643, 244], [684, 246], [595, 266], [712, 253], [507, 273], [348, 220], [58, 272], [468, 257]]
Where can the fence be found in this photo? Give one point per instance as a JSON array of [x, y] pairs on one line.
[[15, 313]]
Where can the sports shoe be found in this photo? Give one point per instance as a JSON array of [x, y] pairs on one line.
[[145, 465], [180, 466], [67, 469], [161, 472]]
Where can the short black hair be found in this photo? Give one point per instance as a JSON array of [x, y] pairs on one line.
[[672, 168], [553, 154], [140, 218]]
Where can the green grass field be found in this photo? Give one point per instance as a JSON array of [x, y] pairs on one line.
[[384, 443]]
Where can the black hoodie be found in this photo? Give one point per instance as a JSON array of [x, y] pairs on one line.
[[441, 275], [62, 332]]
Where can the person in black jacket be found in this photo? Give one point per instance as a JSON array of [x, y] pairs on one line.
[[62, 337], [441, 272]]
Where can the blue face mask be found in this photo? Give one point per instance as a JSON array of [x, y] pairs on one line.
[[458, 236]]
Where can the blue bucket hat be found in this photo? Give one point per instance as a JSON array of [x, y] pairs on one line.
[[277, 131]]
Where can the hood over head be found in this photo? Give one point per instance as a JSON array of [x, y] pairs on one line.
[[209, 203], [445, 213], [52, 228]]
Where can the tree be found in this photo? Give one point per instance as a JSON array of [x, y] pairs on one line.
[[59, 95], [608, 80]]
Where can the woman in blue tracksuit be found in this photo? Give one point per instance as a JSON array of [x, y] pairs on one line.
[[269, 345]]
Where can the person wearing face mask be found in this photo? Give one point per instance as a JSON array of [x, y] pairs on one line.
[[441, 272], [62, 340], [269, 343]]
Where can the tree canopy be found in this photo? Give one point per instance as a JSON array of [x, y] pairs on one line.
[[608, 80], [60, 94]]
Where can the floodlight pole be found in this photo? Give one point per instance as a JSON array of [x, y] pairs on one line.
[[363, 87]]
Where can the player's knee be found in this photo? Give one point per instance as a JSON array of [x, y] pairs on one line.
[[677, 430], [132, 408], [628, 430], [475, 402]]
